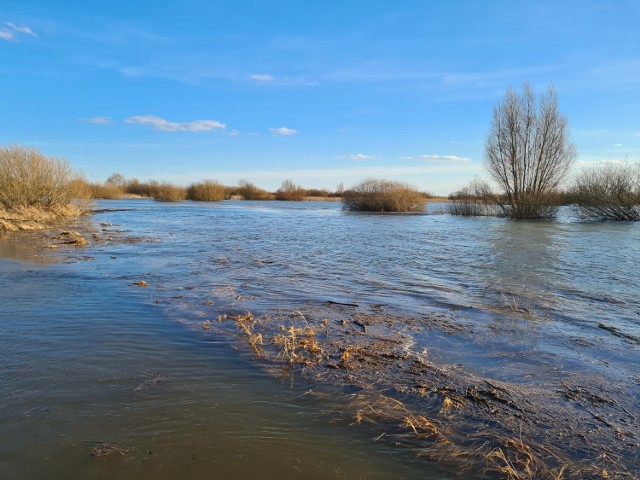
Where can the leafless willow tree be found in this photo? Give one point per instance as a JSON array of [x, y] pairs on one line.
[[528, 152]]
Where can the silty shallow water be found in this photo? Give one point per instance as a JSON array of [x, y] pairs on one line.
[[91, 359]]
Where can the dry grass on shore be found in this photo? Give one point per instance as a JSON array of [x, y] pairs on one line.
[[35, 218]]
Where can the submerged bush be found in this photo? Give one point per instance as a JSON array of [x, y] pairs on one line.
[[528, 153], [611, 192], [474, 199], [168, 192], [249, 191], [143, 189], [30, 179], [289, 191], [207, 191], [376, 195]]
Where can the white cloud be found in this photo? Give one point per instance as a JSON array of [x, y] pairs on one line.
[[164, 125], [284, 131], [617, 144], [105, 120], [439, 158], [358, 156], [234, 133], [12, 31], [21, 29], [262, 77]]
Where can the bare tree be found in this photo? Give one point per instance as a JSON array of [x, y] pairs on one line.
[[117, 180], [528, 152], [290, 191]]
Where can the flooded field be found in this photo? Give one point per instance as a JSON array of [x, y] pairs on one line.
[[378, 346]]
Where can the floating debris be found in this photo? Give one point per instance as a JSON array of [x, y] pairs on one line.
[[103, 449]]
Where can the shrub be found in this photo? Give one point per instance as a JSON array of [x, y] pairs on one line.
[[375, 195], [289, 191], [611, 192], [315, 192], [143, 189], [168, 192], [30, 179], [249, 191], [207, 191], [105, 191], [474, 199]]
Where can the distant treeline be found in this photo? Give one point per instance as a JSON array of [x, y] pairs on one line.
[[117, 186], [35, 189]]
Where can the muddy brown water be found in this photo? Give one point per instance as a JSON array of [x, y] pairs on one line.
[[90, 360]]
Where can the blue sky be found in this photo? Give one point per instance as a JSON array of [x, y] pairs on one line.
[[319, 92]]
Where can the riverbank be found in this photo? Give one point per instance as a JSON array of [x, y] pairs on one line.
[[29, 219]]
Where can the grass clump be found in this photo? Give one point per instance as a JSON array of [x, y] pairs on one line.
[[376, 195], [35, 188], [207, 191]]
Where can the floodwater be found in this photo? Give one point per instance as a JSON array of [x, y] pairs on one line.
[[88, 357]]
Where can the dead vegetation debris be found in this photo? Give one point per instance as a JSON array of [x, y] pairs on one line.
[[521, 431], [104, 449]]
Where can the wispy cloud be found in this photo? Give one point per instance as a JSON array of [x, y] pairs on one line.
[[11, 32], [439, 158], [164, 125], [234, 133], [265, 78], [262, 77], [105, 120], [592, 131], [617, 145], [357, 156], [21, 29], [283, 131]]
